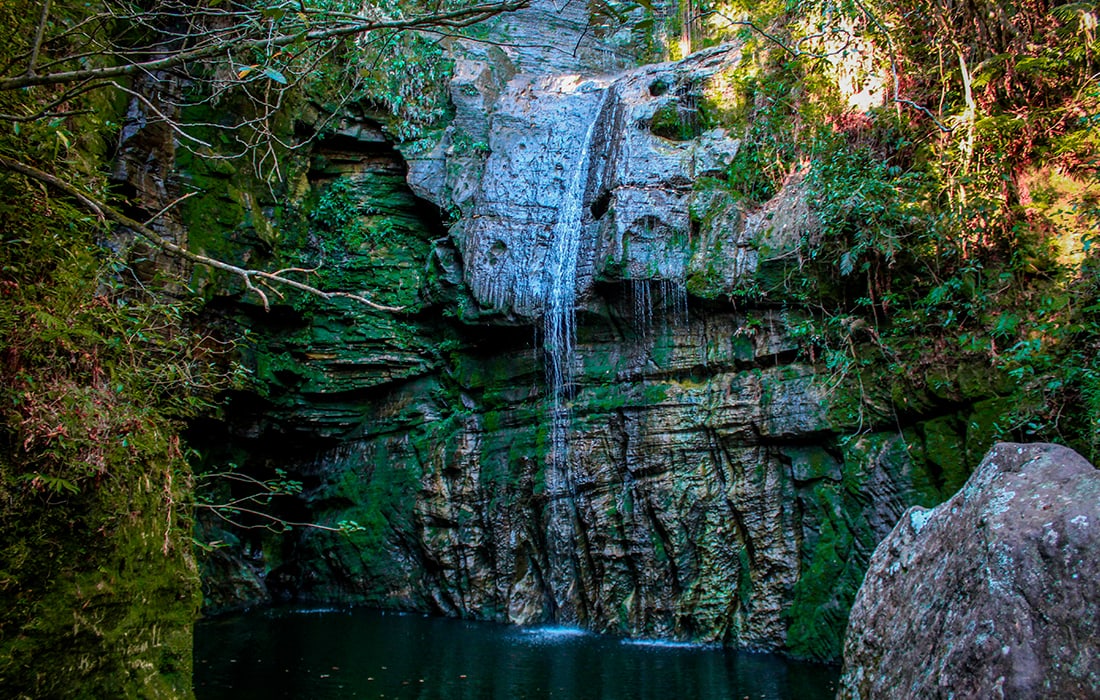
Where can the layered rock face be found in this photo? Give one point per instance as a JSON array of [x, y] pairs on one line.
[[704, 495], [679, 474], [991, 594]]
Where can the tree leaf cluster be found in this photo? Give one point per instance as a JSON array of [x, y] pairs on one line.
[[956, 220]]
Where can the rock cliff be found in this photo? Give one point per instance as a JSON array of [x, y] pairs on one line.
[[682, 473]]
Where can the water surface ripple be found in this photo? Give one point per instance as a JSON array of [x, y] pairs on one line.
[[359, 653]]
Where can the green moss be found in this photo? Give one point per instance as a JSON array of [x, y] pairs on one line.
[[839, 538], [744, 579], [525, 448], [98, 587], [655, 393], [105, 598], [832, 571], [945, 448], [986, 424], [675, 122], [383, 491]]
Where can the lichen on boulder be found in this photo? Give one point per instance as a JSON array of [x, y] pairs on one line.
[[991, 594]]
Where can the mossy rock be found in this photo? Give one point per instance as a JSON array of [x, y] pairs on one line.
[[676, 122]]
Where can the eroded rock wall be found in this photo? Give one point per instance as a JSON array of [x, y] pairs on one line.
[[638, 137], [709, 497], [714, 484]]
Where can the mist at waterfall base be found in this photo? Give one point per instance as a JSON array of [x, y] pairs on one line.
[[361, 653]]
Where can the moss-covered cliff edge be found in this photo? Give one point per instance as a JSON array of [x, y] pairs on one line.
[[98, 583], [783, 340]]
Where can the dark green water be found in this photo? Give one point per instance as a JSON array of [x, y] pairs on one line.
[[358, 653]]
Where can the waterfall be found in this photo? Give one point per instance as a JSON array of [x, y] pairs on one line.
[[651, 299], [559, 327], [559, 312], [675, 297]]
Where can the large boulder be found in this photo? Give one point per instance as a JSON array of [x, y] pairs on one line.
[[993, 594]]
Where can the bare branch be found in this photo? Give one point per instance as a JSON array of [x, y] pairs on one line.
[[894, 70], [751, 25], [274, 520], [153, 108], [38, 37], [218, 40], [248, 276], [168, 206], [45, 111]]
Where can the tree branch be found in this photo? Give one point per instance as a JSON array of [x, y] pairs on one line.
[[248, 276], [221, 509], [797, 52], [894, 70], [462, 17], [39, 31]]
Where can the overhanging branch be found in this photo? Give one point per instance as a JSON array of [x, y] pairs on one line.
[[345, 27], [251, 278]]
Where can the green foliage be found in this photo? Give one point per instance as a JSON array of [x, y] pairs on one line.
[[1055, 363], [769, 145], [867, 207], [98, 368], [91, 391], [942, 269], [954, 228], [465, 145], [245, 501], [92, 370], [399, 75], [339, 211], [93, 380], [407, 74], [345, 211]]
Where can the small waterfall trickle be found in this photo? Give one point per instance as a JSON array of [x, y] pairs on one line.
[[559, 339], [666, 299], [559, 312], [642, 307], [674, 296]]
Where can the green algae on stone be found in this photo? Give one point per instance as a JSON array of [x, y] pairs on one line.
[[944, 446], [831, 573], [675, 121]]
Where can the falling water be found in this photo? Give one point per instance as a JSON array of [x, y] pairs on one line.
[[559, 316], [650, 299], [666, 299], [675, 298], [559, 326]]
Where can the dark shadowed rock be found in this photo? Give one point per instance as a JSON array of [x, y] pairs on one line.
[[993, 594]]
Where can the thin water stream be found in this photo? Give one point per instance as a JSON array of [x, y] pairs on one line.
[[559, 306], [360, 653], [559, 340]]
